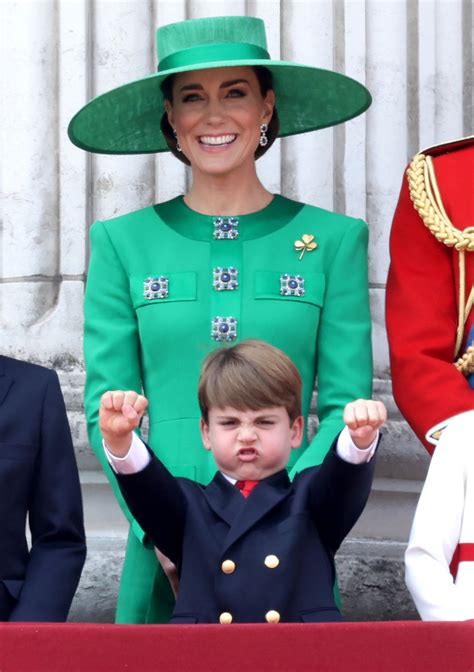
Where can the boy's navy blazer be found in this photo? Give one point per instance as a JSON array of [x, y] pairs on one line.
[[280, 541], [38, 480]]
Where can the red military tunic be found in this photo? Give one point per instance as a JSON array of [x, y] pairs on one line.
[[423, 297]]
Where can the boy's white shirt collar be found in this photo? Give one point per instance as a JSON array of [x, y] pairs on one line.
[[138, 456]]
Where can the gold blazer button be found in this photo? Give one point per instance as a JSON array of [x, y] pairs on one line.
[[271, 561], [272, 616], [225, 618], [228, 566]]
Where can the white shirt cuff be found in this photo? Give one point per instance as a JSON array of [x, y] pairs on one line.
[[134, 461], [348, 451]]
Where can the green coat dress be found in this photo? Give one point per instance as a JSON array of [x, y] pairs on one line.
[[166, 285]]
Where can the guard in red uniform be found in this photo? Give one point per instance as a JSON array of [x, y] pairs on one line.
[[430, 290]]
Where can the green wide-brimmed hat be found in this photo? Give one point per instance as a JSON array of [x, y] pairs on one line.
[[127, 119]]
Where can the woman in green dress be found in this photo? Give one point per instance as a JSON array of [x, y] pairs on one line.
[[227, 261]]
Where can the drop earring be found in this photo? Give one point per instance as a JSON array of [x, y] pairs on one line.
[[178, 146], [263, 135]]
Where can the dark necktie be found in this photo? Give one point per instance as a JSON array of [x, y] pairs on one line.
[[246, 487]]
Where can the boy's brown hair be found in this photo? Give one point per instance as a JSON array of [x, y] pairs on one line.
[[249, 376]]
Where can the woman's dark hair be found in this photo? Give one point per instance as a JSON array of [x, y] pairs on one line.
[[265, 81]]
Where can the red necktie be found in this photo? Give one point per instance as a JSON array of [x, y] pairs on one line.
[[246, 487]]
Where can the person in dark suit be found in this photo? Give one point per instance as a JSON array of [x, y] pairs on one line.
[[39, 482], [267, 556]]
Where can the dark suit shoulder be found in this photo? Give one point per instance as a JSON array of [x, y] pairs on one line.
[[19, 368], [27, 383], [12, 366], [306, 475], [189, 485]]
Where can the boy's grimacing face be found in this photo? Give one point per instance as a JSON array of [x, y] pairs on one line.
[[251, 445]]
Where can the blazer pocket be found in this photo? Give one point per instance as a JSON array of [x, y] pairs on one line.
[[158, 288], [18, 451], [324, 615], [268, 285], [183, 619]]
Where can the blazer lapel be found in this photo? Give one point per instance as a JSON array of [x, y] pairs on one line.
[[224, 498], [270, 492], [5, 381]]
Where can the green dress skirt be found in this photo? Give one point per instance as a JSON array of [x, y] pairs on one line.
[[166, 285]]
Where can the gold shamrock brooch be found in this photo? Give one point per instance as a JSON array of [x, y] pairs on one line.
[[307, 243]]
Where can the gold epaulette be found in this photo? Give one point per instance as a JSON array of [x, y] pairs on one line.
[[465, 364], [426, 198]]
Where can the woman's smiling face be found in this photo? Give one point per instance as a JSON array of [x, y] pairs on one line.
[[217, 115]]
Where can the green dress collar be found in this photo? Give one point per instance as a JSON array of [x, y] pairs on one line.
[[196, 226]]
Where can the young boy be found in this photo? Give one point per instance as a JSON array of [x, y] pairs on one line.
[[266, 552]]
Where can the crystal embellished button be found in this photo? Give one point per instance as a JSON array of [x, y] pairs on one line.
[[226, 228], [224, 328], [156, 288], [291, 285], [225, 278]]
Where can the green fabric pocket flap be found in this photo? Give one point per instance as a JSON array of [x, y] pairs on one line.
[[177, 287], [268, 285]]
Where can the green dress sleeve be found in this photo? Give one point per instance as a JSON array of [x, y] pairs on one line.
[[111, 343], [344, 350]]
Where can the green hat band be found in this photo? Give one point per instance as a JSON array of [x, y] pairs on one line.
[[210, 53]]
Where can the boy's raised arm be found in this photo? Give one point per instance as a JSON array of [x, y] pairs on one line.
[[153, 495], [120, 413], [341, 488]]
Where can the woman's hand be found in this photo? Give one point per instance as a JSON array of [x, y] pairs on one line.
[[170, 571], [363, 418], [119, 414]]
